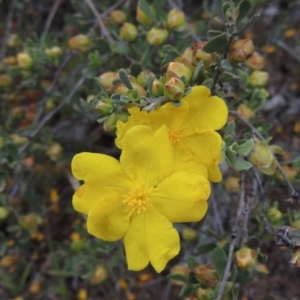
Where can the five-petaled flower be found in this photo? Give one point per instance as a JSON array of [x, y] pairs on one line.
[[140, 197], [191, 128]]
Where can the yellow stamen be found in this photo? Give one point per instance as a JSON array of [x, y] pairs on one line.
[[174, 135], [138, 199]]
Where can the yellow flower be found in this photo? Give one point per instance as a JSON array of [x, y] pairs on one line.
[[191, 128], [139, 197]]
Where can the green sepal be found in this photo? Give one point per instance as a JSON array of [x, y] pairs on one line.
[[216, 43]]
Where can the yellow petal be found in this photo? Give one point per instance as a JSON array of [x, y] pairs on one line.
[[108, 219], [150, 238], [102, 174], [122, 128], [182, 197], [205, 112], [146, 156], [207, 148]]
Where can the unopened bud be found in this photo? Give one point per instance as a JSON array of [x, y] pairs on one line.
[[54, 52], [5, 81], [82, 294], [110, 123], [104, 106], [122, 89], [295, 260], [240, 51], [80, 43], [256, 61], [128, 32], [35, 287], [30, 222], [157, 88], [142, 18], [200, 55], [117, 17], [19, 140], [9, 260], [107, 78], [143, 77], [187, 53], [206, 274], [10, 61], [99, 275], [54, 151], [156, 36], [177, 69], [175, 19], [174, 89], [245, 111], [77, 246], [204, 294], [232, 184], [14, 40], [245, 258], [274, 215], [258, 79], [24, 60], [179, 269], [4, 212], [189, 234], [290, 172]]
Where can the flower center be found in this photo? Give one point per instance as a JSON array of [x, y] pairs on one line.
[[174, 135], [138, 199]]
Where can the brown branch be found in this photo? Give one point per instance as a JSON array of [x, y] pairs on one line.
[[50, 18]]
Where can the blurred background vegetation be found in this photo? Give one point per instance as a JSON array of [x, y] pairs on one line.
[[51, 51]]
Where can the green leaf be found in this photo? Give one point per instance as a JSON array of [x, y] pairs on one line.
[[219, 260], [145, 7], [216, 43], [135, 69], [245, 148], [244, 9], [225, 64], [228, 139], [229, 128], [102, 88], [225, 7], [178, 277], [237, 163], [147, 55], [236, 2], [192, 262], [3, 244], [125, 79], [103, 46], [242, 276], [187, 290], [116, 98], [120, 48], [197, 72], [208, 83], [228, 287], [149, 84], [248, 24], [207, 247], [12, 150], [90, 72]]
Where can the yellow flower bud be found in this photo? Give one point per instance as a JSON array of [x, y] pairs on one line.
[[156, 36], [206, 274], [187, 53], [240, 51], [110, 123], [128, 32], [104, 106], [290, 172], [256, 61], [179, 269], [9, 260], [177, 69], [14, 40], [35, 287], [107, 78], [200, 55], [157, 88], [4, 212], [232, 184], [274, 215], [204, 294], [99, 275], [117, 17], [80, 43], [121, 88], [10, 61], [175, 19], [82, 294], [295, 260], [174, 89], [245, 258], [24, 60], [54, 52], [258, 79], [245, 111], [142, 18], [189, 234], [5, 81], [54, 151], [19, 140], [143, 76]]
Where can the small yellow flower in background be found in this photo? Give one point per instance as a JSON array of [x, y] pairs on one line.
[[54, 197], [290, 33], [82, 294], [191, 129], [139, 197]]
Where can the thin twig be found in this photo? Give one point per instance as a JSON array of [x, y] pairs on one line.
[[99, 20], [293, 193], [289, 50], [51, 15], [49, 116], [7, 28]]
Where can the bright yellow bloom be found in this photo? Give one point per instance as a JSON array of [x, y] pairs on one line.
[[139, 197], [191, 128]]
